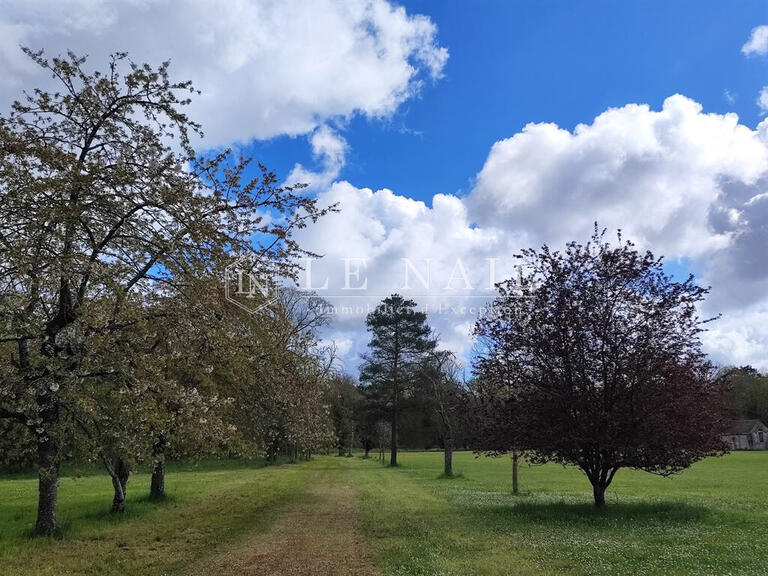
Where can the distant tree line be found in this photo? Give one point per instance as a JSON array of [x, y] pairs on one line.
[[748, 393]]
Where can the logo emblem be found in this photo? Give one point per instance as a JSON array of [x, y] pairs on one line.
[[248, 287]]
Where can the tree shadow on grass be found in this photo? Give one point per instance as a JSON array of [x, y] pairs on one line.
[[135, 507], [630, 514], [454, 476]]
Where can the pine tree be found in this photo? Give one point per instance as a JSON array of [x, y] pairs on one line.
[[400, 341]]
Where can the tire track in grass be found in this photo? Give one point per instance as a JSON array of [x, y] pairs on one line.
[[316, 534]]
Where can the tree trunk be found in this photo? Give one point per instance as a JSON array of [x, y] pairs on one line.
[[119, 483], [48, 466], [600, 481], [448, 456], [341, 449], [48, 485], [393, 447], [599, 492], [157, 485], [515, 458], [118, 500], [367, 451]]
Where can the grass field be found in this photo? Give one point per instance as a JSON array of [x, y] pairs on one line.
[[711, 519]]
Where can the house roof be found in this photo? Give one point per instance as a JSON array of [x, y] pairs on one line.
[[745, 426]]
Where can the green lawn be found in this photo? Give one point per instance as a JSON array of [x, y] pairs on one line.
[[711, 519]]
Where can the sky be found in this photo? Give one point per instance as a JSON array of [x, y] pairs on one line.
[[452, 134]]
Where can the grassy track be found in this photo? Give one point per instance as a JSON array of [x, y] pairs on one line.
[[206, 509], [712, 519], [316, 533]]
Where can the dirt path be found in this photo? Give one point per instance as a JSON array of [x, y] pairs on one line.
[[316, 534]]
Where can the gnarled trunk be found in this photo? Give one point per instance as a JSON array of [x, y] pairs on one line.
[[598, 490], [157, 484], [119, 473], [600, 480]]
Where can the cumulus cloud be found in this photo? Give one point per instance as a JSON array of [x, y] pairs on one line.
[[740, 338], [757, 43], [655, 174], [265, 68], [330, 150], [681, 182]]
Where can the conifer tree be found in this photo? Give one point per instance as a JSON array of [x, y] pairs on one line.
[[400, 342]]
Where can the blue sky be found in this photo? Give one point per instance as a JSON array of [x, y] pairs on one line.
[[517, 62]]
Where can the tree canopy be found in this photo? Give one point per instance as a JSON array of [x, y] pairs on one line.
[[599, 349]]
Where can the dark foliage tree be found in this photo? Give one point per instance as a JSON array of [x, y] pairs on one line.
[[400, 341], [366, 419], [344, 399], [601, 351]]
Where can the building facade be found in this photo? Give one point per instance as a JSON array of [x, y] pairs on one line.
[[747, 435]]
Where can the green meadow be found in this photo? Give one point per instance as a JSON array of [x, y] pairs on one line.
[[710, 519]]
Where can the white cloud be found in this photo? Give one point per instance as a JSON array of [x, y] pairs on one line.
[[757, 43], [740, 338], [265, 68], [655, 174], [762, 99], [330, 150]]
